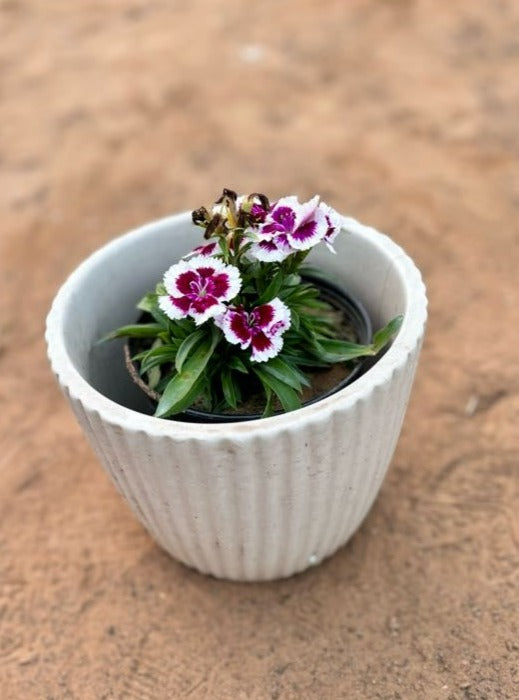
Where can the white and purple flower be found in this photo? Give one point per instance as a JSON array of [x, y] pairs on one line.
[[334, 223], [199, 288], [288, 227], [260, 329], [206, 249]]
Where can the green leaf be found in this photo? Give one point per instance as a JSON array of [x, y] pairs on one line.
[[137, 330], [291, 280], [149, 305], [224, 246], [163, 383], [156, 356], [341, 350], [230, 390], [273, 288], [148, 302], [306, 330], [384, 335], [185, 386], [187, 346], [154, 376], [286, 373], [287, 396], [245, 247], [295, 321], [234, 362], [316, 274], [302, 291], [304, 359], [165, 337], [181, 328], [269, 407], [179, 396]]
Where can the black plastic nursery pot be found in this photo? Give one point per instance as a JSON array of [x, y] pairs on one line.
[[354, 314]]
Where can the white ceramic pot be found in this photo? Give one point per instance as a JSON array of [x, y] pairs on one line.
[[248, 501]]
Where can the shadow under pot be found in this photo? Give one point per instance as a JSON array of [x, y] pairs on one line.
[[353, 325]]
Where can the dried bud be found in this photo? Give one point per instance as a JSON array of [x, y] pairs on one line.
[[200, 217], [264, 200], [227, 203], [215, 226], [227, 196], [242, 218]]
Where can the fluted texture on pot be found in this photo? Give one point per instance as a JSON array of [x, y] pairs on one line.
[[256, 500], [260, 508]]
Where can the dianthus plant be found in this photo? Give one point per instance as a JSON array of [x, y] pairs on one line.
[[235, 316]]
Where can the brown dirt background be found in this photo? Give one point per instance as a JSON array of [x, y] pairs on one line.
[[404, 114]]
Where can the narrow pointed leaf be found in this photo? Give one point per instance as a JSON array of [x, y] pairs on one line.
[[157, 356], [229, 388], [187, 346], [183, 389], [295, 322], [160, 289], [287, 396], [272, 289], [137, 330], [154, 376], [384, 335], [235, 363], [148, 302], [184, 398], [286, 373], [269, 408], [341, 350]]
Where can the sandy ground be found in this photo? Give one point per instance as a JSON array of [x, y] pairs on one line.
[[403, 114]]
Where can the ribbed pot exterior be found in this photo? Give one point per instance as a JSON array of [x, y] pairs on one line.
[[264, 499]]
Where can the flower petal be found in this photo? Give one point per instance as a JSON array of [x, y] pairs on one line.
[[270, 251], [281, 317], [183, 283], [174, 308], [262, 328], [202, 282], [282, 218], [202, 264], [265, 348], [171, 275], [235, 327], [290, 201], [263, 316], [206, 250], [220, 285], [306, 210], [311, 229], [203, 309], [234, 281], [199, 305], [334, 222]]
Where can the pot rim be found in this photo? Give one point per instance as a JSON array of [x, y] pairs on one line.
[[78, 388]]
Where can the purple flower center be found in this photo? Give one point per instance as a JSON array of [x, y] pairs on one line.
[[201, 288], [203, 282], [261, 329], [257, 213], [247, 325], [283, 221]]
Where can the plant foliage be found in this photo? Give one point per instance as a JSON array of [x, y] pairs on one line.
[[236, 317]]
